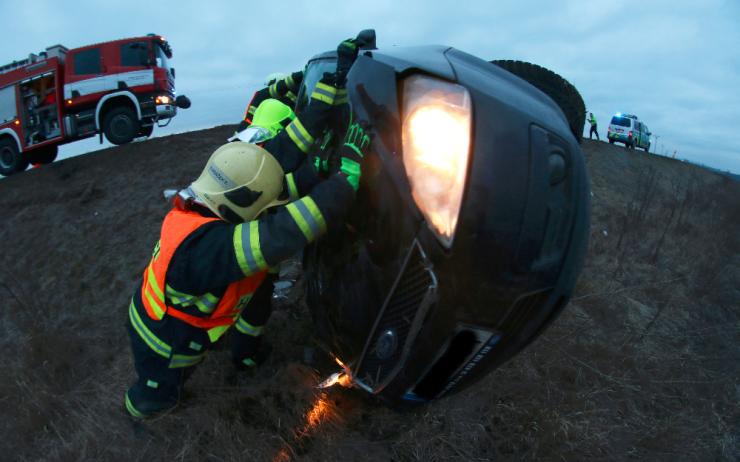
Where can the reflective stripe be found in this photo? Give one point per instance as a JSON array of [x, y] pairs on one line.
[[152, 384], [274, 90], [195, 346], [131, 409], [292, 188], [247, 248], [289, 81], [156, 304], [205, 303], [216, 332], [251, 110], [299, 135], [249, 362], [245, 328], [148, 336], [291, 96], [178, 361], [308, 217], [324, 92]]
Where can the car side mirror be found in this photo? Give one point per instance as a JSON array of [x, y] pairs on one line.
[[182, 101]]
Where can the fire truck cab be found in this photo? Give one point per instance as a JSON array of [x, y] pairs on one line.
[[119, 89]]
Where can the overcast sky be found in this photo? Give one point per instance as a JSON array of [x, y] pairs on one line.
[[676, 64]]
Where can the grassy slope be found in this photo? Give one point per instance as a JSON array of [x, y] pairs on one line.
[[644, 363]]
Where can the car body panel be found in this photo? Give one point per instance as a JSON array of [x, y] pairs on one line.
[[412, 318]]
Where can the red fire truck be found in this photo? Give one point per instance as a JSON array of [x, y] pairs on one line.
[[119, 89]]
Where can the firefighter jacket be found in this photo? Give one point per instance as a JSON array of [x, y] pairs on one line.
[[592, 119], [292, 144], [204, 270], [284, 90]]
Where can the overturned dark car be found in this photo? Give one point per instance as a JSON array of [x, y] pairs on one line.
[[470, 226]]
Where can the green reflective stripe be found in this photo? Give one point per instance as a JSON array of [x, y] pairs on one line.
[[245, 328], [249, 362], [299, 221], [153, 283], [195, 346], [155, 253], [352, 170], [148, 336], [211, 298], [178, 361], [292, 188], [308, 217], [205, 303], [289, 81], [247, 247], [324, 92], [251, 110], [274, 90], [215, 333], [291, 96], [152, 384], [131, 409], [315, 212], [158, 311], [300, 136], [341, 100]]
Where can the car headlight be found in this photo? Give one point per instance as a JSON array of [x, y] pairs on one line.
[[163, 99], [437, 118]]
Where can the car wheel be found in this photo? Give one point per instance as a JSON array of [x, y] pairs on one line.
[[565, 95], [11, 160], [146, 131], [44, 155], [120, 125]]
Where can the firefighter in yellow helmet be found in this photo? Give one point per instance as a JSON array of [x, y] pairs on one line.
[[217, 245]]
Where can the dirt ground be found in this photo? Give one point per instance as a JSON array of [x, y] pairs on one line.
[[643, 364]]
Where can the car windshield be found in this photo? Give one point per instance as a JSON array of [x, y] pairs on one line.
[[621, 121], [161, 57], [311, 76]]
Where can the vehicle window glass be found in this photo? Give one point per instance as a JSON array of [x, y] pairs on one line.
[[7, 104], [161, 57], [88, 62], [621, 121], [134, 54], [311, 77]]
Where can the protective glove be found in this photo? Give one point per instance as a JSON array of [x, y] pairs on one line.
[[346, 55], [356, 145]]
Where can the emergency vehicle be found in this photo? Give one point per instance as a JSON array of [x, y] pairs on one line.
[[628, 129], [119, 89]]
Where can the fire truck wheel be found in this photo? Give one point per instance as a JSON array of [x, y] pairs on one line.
[[11, 161], [120, 125], [43, 156]]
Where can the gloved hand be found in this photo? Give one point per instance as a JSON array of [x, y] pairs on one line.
[[346, 55], [356, 145]]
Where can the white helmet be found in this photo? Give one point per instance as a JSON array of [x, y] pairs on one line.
[[239, 181]]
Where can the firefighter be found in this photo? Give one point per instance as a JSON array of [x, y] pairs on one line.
[[284, 89], [219, 241], [592, 121]]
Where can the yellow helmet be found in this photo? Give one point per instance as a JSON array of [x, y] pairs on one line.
[[239, 181]]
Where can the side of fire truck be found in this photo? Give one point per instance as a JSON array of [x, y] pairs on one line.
[[120, 89]]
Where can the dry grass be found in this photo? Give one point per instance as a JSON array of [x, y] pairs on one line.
[[644, 363]]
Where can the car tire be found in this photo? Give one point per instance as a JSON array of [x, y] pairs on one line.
[[146, 131], [11, 160], [43, 156], [565, 95], [121, 125]]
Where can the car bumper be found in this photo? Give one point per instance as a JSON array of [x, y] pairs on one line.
[[166, 111]]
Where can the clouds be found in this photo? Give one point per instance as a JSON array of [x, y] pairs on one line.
[[675, 64]]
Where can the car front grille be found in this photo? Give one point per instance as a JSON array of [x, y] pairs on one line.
[[399, 321]]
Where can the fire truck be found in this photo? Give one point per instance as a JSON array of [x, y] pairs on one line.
[[120, 89]]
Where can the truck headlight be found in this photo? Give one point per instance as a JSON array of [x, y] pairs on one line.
[[437, 118], [163, 99]]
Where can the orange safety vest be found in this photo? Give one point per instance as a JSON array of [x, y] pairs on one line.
[[177, 226]]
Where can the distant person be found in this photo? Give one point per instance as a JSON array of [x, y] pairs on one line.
[[219, 241], [592, 121]]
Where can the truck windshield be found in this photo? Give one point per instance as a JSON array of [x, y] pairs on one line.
[[161, 57], [621, 121], [311, 77]]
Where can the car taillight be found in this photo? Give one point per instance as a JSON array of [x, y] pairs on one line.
[[437, 119]]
